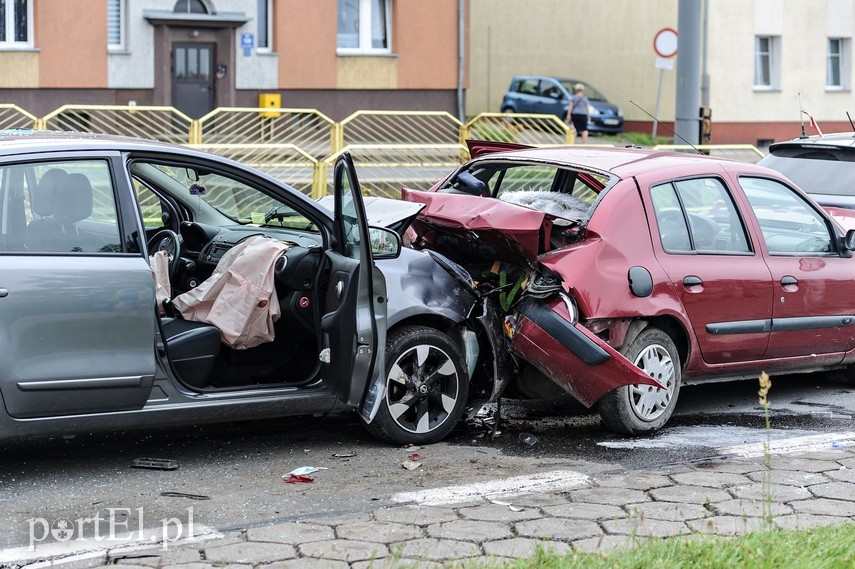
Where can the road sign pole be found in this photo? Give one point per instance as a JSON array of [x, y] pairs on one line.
[[656, 112]]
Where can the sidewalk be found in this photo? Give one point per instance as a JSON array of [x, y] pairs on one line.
[[721, 498]]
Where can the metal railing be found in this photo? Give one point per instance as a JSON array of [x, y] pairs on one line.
[[392, 149], [13, 116], [166, 124]]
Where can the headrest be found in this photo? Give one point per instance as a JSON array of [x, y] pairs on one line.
[[43, 195], [73, 202]]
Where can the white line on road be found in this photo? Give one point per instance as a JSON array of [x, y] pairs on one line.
[[810, 443], [49, 554], [554, 481]]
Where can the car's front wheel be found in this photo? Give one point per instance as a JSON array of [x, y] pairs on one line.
[[643, 409], [426, 387]]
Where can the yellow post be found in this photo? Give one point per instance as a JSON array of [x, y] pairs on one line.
[[319, 180], [337, 141], [195, 135], [571, 135]]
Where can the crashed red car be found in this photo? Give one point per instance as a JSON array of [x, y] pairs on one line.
[[623, 274]]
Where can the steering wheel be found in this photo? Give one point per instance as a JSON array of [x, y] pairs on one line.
[[673, 231], [169, 241]]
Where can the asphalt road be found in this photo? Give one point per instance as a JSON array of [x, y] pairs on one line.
[[233, 472]]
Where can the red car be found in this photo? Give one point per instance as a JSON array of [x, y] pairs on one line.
[[615, 266]]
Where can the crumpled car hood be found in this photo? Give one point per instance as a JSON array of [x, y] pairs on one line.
[[467, 227]]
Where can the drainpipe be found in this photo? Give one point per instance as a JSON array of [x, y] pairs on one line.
[[461, 59]]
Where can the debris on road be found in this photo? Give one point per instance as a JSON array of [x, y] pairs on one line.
[[296, 479], [343, 454], [528, 439], [155, 463], [298, 475], [411, 464], [185, 495], [510, 506]]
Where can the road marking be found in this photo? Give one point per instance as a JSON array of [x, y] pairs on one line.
[[49, 554], [710, 436], [810, 443], [554, 481]]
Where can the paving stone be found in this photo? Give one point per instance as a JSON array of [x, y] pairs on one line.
[[521, 547], [292, 533], [536, 500], [197, 565], [158, 557], [835, 490], [711, 479], [734, 467], [792, 477], [307, 563], [497, 513], [841, 475], [785, 462], [805, 521], [433, 549], [668, 511], [470, 530], [557, 528], [349, 550], [751, 508], [778, 492], [419, 515], [726, 525], [249, 553], [605, 543], [613, 496], [825, 507], [639, 481], [334, 520], [583, 511], [645, 527], [847, 462], [88, 563], [381, 532], [689, 494], [394, 563], [832, 455]]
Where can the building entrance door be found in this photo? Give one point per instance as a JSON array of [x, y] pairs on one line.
[[193, 78]]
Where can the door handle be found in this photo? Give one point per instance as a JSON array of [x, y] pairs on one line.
[[4, 292], [789, 280], [692, 280]]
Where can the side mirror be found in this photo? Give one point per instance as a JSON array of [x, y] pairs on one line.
[[849, 240], [385, 243], [469, 184]]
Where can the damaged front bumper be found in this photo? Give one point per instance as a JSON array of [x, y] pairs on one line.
[[547, 335]]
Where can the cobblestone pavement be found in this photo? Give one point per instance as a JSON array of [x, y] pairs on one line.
[[720, 498]]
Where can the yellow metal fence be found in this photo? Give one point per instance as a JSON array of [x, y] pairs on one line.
[[393, 149]]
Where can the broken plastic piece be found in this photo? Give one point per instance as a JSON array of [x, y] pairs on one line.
[[411, 464], [510, 506], [343, 454], [294, 479], [303, 470], [528, 439], [155, 463]]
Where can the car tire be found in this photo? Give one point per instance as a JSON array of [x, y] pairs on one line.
[[427, 386], [507, 110], [643, 409]]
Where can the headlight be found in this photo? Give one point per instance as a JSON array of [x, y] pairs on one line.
[[544, 283], [595, 112], [620, 112]]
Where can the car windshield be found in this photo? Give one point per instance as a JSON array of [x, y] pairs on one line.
[[825, 175], [235, 199], [590, 91]]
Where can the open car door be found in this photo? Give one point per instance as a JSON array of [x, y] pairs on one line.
[[354, 319]]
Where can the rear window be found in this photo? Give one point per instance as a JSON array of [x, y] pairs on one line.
[[816, 171]]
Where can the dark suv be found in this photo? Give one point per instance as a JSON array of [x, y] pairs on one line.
[[551, 95], [823, 166]]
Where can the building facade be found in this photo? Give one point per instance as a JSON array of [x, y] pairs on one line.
[[337, 56], [766, 59]]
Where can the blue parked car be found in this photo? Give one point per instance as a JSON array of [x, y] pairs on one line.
[[551, 95]]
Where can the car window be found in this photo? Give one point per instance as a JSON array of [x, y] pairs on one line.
[[528, 86], [549, 89], [814, 171], [150, 206], [790, 225], [698, 215], [58, 207]]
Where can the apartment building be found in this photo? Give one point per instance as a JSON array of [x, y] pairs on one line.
[[334, 55]]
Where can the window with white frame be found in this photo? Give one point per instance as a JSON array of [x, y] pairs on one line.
[[767, 70], [16, 23], [364, 26], [837, 76], [265, 25], [116, 24]]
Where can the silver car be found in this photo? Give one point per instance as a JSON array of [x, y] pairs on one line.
[[399, 335]]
